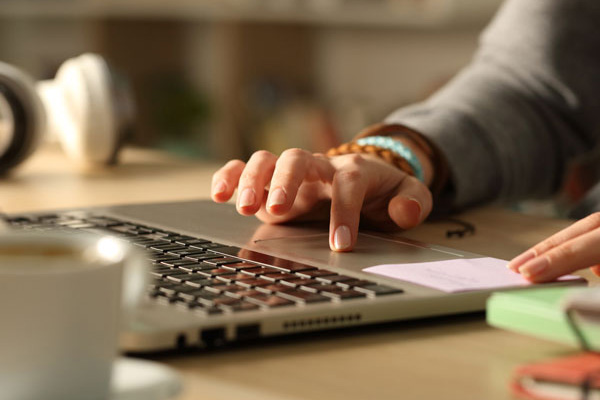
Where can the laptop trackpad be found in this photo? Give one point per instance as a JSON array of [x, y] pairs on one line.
[[371, 248]]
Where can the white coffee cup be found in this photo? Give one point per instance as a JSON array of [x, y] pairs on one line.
[[62, 301]]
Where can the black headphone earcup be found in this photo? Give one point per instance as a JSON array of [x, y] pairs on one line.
[[27, 117]]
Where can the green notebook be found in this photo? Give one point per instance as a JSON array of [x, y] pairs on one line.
[[539, 312]]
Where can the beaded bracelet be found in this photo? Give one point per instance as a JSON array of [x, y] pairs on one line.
[[396, 147], [441, 184], [386, 154]]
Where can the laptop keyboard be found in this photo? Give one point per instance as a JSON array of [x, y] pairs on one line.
[[212, 278]]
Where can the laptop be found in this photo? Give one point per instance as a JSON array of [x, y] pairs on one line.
[[217, 277]]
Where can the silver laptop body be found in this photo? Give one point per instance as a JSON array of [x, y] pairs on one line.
[[161, 323]]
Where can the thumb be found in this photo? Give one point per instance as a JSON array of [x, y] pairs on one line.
[[411, 205]]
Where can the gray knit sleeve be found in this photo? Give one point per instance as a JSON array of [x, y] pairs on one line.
[[528, 103]]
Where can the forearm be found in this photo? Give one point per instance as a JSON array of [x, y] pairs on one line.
[[527, 105]]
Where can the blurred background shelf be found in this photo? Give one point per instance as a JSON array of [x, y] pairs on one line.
[[390, 13], [219, 79]]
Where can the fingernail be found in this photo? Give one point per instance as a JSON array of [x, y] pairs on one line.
[[416, 205], [247, 198], [277, 197], [219, 188], [341, 238], [412, 214], [521, 259], [534, 267]]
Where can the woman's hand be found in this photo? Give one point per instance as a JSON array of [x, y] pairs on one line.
[[574, 248], [301, 185]]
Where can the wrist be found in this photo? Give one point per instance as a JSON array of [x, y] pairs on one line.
[[399, 149], [433, 162], [436, 169], [424, 159]]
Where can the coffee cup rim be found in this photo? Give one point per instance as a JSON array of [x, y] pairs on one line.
[[80, 242]]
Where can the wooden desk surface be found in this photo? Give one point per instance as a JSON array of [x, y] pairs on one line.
[[451, 358]]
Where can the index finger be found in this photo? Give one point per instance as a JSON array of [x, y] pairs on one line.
[[347, 195], [578, 228], [294, 167], [580, 252]]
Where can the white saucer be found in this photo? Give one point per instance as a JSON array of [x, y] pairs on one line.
[[135, 379]]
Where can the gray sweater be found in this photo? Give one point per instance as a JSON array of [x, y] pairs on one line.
[[527, 105]]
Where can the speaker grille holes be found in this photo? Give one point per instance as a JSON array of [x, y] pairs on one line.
[[332, 320]]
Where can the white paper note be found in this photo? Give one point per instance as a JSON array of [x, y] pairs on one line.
[[457, 275]]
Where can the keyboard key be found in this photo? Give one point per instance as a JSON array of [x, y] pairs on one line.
[[258, 271], [335, 278], [226, 278], [195, 267], [267, 300], [198, 282], [354, 282], [161, 272], [315, 273], [252, 282], [294, 267], [273, 288], [247, 292], [221, 289], [239, 292], [300, 296], [208, 245], [103, 221], [179, 277], [165, 299], [175, 289], [322, 287], [199, 308], [139, 231], [279, 276], [202, 256], [299, 282], [191, 241], [139, 241], [176, 263], [148, 244], [238, 266], [200, 295], [181, 252], [216, 272], [175, 238], [159, 282], [185, 304], [218, 261], [161, 258], [167, 247], [151, 236], [343, 294], [124, 228], [220, 272]]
